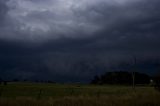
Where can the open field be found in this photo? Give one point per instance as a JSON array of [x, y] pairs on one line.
[[29, 94]]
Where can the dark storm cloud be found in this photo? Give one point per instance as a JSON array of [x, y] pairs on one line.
[[52, 38], [52, 19]]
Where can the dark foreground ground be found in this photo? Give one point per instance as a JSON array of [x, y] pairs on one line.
[[32, 94]]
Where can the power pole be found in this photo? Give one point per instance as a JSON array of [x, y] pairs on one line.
[[133, 78], [133, 73]]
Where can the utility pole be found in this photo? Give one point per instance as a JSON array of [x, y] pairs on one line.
[[133, 78], [133, 72]]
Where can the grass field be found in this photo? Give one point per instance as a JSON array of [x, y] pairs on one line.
[[30, 94]]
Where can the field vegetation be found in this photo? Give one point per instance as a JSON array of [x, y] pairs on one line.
[[37, 94]]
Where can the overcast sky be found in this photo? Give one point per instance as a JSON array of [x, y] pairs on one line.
[[50, 38]]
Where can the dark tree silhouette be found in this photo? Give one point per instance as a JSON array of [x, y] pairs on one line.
[[116, 78], [121, 78], [157, 82], [0, 81], [5, 82], [96, 80], [157, 77]]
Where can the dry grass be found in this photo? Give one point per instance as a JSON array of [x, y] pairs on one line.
[[109, 96], [148, 99]]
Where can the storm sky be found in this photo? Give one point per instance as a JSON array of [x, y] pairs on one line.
[[73, 40]]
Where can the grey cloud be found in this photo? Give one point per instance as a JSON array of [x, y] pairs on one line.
[[3, 11], [39, 20]]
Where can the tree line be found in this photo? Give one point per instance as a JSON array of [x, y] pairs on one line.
[[126, 78], [122, 78]]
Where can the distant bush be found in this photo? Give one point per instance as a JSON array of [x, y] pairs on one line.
[[96, 80], [0, 81], [5, 82]]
